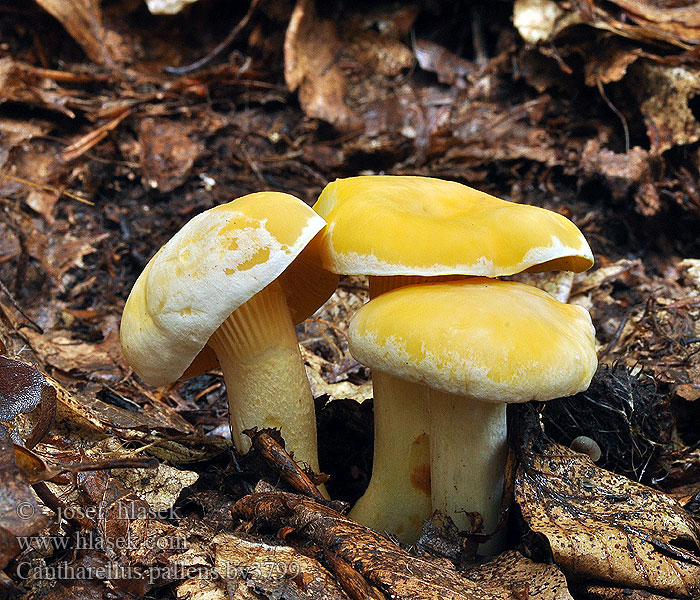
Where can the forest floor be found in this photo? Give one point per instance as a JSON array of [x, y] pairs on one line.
[[109, 143]]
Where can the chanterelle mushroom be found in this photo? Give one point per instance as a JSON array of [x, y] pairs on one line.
[[478, 344], [401, 230], [234, 280]]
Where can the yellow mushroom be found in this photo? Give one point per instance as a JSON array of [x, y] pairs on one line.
[[477, 344], [229, 286], [401, 230]]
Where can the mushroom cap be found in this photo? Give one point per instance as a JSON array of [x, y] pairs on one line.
[[218, 261], [405, 225], [490, 340]]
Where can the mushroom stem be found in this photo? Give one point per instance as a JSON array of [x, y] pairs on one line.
[[264, 373], [397, 499], [470, 480], [378, 284]]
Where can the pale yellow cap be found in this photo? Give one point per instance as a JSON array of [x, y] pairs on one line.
[[214, 264], [403, 225], [490, 340]]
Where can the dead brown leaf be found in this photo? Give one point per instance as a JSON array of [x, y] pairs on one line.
[[646, 321], [193, 553], [316, 366], [311, 49], [82, 19], [58, 348], [664, 94], [90, 412], [527, 578], [20, 82], [20, 513], [272, 569], [167, 153], [607, 527], [39, 173], [159, 427], [390, 568], [624, 173], [600, 592], [645, 21], [449, 68], [611, 60], [212, 589], [16, 131], [606, 274], [480, 132]]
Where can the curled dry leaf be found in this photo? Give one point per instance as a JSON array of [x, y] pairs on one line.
[[193, 552], [169, 436], [159, 487], [20, 82], [611, 61], [316, 366], [211, 589], [22, 389], [390, 568], [32, 465], [604, 526], [350, 75]]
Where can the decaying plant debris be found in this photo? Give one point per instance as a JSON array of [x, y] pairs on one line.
[[117, 126]]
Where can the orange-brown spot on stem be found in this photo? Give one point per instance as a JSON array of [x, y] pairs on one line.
[[420, 471], [420, 478]]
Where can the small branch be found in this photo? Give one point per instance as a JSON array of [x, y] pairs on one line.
[[18, 308], [184, 70], [48, 188], [278, 458], [613, 108]]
